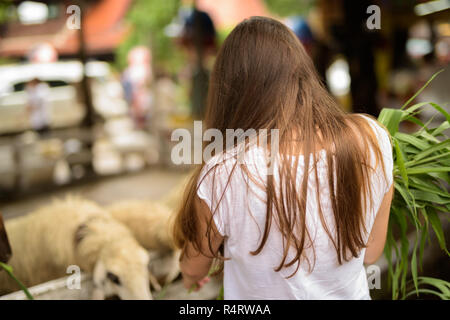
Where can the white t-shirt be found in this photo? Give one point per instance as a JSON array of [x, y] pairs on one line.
[[240, 218]]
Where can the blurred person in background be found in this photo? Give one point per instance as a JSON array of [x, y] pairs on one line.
[[301, 29], [316, 47], [136, 80], [37, 109], [198, 37], [165, 98]]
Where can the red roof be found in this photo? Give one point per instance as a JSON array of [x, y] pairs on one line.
[[103, 27], [228, 13]]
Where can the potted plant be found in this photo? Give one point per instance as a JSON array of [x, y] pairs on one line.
[[421, 199]]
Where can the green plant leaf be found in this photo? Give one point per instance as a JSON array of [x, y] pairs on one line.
[[426, 186], [442, 285], [421, 178], [414, 162], [9, 271], [443, 146], [410, 139], [400, 162], [441, 128], [411, 111], [391, 118], [421, 170], [441, 110], [414, 267], [421, 89], [437, 227]]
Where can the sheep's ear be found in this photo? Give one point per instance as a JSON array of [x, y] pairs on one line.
[[5, 248], [113, 278], [80, 234]]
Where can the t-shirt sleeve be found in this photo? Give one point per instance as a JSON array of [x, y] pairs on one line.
[[211, 188], [384, 142]]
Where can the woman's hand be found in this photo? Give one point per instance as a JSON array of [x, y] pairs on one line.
[[194, 285], [194, 265]]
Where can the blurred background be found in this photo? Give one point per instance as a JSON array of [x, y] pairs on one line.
[[91, 90]]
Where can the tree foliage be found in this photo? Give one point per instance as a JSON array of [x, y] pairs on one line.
[[4, 6], [148, 20], [286, 8]]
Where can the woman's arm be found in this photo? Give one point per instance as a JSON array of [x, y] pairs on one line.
[[377, 237], [194, 265]]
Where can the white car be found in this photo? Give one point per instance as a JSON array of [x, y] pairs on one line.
[[65, 97]]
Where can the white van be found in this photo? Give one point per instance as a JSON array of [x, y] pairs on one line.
[[65, 97]]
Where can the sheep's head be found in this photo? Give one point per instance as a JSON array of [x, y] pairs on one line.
[[122, 270]]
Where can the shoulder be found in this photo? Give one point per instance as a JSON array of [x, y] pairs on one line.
[[373, 122], [216, 169], [385, 145], [381, 133]]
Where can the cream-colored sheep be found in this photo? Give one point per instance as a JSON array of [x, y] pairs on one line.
[[174, 198], [151, 224], [77, 232]]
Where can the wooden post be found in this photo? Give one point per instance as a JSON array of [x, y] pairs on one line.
[[200, 77], [89, 119], [85, 83], [358, 45], [5, 248]]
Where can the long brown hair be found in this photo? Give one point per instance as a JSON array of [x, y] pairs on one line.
[[264, 79]]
